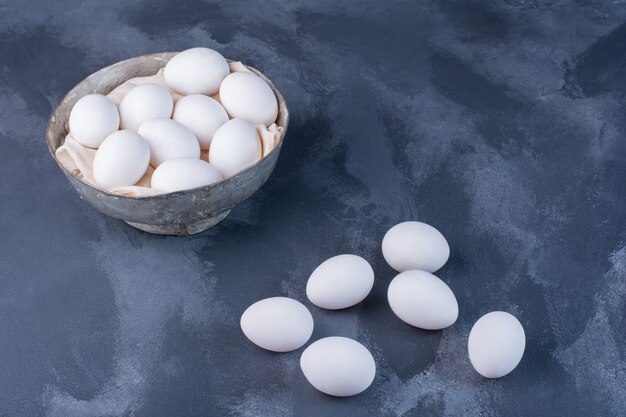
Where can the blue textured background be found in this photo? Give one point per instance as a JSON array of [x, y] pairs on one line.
[[502, 124]]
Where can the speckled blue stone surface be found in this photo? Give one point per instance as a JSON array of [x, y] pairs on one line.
[[500, 123]]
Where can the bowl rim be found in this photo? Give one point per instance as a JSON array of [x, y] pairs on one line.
[[282, 103]]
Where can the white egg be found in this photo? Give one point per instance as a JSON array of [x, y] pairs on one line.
[[145, 102], [338, 366], [121, 160], [169, 139], [235, 146], [183, 174], [415, 245], [422, 300], [340, 282], [196, 71], [279, 324], [246, 96], [92, 119], [496, 344], [202, 115]]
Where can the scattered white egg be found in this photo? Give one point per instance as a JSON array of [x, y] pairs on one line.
[[338, 366], [183, 174], [422, 300], [340, 282], [196, 71], [121, 160], [92, 119], [279, 324], [235, 146], [202, 115], [246, 96], [415, 245], [496, 344], [168, 139], [145, 102]]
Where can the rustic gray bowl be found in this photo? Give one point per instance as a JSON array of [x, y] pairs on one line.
[[180, 213]]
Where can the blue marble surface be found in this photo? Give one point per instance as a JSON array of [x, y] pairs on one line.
[[500, 123]]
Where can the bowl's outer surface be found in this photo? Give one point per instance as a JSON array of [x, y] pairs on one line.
[[180, 213]]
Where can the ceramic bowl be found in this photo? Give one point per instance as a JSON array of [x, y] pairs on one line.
[[179, 213]]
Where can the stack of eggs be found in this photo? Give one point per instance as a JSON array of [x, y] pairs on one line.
[[341, 366], [205, 136]]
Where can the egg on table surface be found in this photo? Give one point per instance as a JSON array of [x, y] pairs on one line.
[[415, 245], [338, 366], [235, 146], [246, 96], [168, 139], [422, 300], [145, 102], [183, 174], [279, 324], [121, 160], [340, 282], [92, 119], [496, 344], [202, 115], [196, 71]]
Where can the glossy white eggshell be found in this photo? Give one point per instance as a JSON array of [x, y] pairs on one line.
[[340, 282], [415, 245], [121, 160], [183, 174], [235, 146], [92, 119], [169, 139], [145, 102], [422, 300], [496, 344], [202, 115], [338, 366], [279, 324], [196, 71], [246, 96]]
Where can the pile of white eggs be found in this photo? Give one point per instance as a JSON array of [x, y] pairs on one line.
[[342, 366], [148, 128]]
